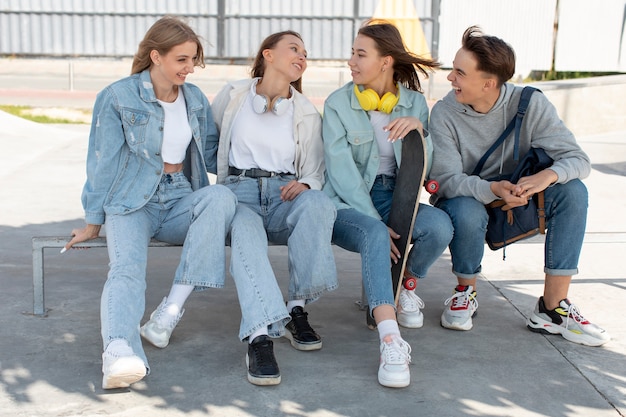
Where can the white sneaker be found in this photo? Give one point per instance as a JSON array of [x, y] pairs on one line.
[[121, 371], [409, 309], [395, 356], [460, 308], [157, 333]]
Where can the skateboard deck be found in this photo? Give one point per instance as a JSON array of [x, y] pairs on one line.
[[404, 204], [405, 201]]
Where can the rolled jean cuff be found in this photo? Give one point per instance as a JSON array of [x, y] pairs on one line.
[[381, 303], [275, 327], [466, 276], [561, 272]]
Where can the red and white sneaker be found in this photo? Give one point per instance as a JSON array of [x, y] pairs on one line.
[[460, 308]]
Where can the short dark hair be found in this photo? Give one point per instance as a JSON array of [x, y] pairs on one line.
[[493, 55]]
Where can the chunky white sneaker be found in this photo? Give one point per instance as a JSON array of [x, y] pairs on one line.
[[409, 309], [121, 371], [395, 356], [460, 308], [157, 333], [567, 321]]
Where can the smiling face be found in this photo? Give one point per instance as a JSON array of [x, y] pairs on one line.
[[288, 58], [471, 86], [366, 64], [172, 68]]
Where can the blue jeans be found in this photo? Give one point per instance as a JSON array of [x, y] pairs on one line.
[[358, 232], [566, 214], [198, 220], [304, 224]]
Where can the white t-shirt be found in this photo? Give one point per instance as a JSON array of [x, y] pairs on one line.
[[262, 141], [176, 130], [385, 148]]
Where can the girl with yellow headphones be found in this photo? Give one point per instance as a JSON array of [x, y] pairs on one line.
[[364, 122]]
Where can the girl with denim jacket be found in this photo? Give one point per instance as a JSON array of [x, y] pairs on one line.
[[149, 149], [364, 122], [271, 156]]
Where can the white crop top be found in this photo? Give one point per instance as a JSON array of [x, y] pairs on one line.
[[176, 130]]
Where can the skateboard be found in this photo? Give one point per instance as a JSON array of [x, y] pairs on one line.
[[404, 205]]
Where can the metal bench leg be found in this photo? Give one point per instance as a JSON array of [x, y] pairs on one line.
[[38, 294]]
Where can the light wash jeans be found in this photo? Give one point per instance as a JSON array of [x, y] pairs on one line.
[[199, 220], [358, 232], [304, 224], [566, 216]]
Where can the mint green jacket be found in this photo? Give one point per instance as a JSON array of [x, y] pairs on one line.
[[351, 150]]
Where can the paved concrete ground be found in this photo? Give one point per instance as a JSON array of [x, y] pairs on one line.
[[51, 366]]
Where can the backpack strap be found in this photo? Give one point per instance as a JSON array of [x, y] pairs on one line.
[[515, 123]]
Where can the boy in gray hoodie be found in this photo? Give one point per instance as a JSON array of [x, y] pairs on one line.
[[463, 125]]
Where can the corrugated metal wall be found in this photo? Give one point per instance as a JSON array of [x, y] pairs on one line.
[[233, 29], [591, 35], [527, 25]]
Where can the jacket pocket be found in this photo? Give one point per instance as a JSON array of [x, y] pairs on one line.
[[361, 143], [135, 123]]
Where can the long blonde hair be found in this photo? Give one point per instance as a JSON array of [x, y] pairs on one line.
[[162, 36]]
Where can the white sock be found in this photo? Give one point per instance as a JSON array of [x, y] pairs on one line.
[[177, 297], [261, 332], [118, 348], [295, 303], [387, 327]]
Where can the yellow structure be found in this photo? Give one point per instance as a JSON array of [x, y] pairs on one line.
[[402, 13]]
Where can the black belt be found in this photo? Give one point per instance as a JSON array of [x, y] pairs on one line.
[[252, 172]]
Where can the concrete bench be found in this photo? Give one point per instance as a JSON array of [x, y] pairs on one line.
[[42, 242]]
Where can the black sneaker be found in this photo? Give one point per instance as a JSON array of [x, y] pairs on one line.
[[301, 334], [567, 321], [261, 363]]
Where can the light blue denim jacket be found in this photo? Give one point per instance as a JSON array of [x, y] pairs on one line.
[[351, 150], [124, 162]]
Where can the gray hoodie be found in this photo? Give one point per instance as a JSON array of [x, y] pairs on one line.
[[461, 136]]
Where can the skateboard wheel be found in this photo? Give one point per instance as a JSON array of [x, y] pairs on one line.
[[409, 283], [432, 186]]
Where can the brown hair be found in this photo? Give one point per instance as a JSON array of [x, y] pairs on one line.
[[493, 55], [163, 35], [258, 67], [405, 63]]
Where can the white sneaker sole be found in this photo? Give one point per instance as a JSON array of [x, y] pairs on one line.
[[124, 372], [154, 340], [539, 325], [467, 325], [409, 321], [302, 346], [394, 383], [256, 380]]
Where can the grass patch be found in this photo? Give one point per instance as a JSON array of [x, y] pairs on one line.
[[40, 115]]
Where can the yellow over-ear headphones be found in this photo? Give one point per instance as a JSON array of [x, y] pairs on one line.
[[369, 100]]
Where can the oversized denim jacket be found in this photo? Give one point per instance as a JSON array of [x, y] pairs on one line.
[[124, 162], [351, 150]]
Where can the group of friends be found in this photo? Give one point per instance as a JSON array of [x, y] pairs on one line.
[[289, 176]]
